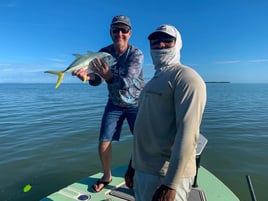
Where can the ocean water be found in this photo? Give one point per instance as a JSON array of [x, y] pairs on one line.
[[49, 137]]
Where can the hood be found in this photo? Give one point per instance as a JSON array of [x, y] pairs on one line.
[[169, 56]]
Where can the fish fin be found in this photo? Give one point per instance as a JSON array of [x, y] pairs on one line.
[[85, 80], [77, 55], [60, 75]]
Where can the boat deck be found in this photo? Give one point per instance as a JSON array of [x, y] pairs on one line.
[[125, 193], [206, 187], [214, 189]]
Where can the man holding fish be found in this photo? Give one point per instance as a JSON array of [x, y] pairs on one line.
[[124, 81]]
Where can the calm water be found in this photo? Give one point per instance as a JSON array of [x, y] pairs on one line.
[[49, 137]]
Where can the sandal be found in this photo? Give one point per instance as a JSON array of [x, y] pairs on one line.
[[100, 182]]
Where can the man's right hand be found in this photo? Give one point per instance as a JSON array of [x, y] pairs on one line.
[[83, 75]]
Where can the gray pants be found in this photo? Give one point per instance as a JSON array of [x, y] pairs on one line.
[[145, 186]]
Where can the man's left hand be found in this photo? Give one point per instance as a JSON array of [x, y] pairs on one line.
[[102, 68]]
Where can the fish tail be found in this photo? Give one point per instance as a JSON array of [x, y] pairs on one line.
[[60, 75], [85, 80]]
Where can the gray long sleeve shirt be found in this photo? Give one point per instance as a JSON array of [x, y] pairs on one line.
[[167, 125]]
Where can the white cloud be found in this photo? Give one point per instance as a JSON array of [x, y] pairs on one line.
[[228, 62], [5, 68], [5, 64], [258, 60], [10, 4], [56, 60]]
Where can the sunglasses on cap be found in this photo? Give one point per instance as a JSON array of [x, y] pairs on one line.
[[124, 30], [163, 40]]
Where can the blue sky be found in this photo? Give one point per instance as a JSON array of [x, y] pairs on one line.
[[222, 40]]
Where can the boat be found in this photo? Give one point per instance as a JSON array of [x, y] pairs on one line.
[[206, 187]]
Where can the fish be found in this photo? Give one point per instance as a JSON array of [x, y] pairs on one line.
[[83, 62]]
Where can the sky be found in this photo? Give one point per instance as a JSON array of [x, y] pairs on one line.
[[222, 40]]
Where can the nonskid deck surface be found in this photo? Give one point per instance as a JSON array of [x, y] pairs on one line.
[[207, 186], [214, 189], [125, 193]]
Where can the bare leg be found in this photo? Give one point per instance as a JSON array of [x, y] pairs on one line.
[[105, 154]]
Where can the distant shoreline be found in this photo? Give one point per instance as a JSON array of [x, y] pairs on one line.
[[218, 82]]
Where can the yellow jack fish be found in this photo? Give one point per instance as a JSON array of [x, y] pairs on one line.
[[83, 61]]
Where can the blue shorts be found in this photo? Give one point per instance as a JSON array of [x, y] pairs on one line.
[[113, 119]]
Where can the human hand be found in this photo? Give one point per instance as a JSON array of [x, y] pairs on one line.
[[101, 67], [164, 193], [83, 75]]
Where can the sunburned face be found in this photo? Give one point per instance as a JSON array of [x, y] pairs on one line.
[[120, 34]]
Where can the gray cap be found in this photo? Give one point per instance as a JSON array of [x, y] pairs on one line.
[[121, 19], [164, 28]]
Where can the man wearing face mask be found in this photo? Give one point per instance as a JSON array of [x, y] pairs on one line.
[[167, 126]]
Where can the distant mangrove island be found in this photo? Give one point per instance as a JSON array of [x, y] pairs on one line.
[[218, 82]]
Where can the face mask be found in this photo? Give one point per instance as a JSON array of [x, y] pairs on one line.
[[169, 56], [165, 57]]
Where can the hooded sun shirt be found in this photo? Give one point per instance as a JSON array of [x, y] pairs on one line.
[[168, 56], [167, 126]]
